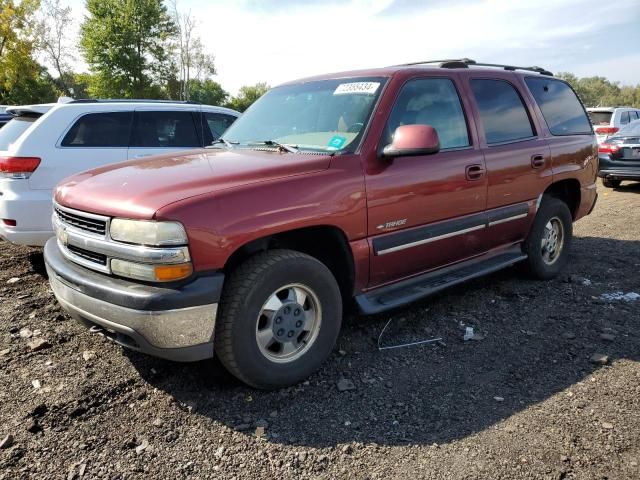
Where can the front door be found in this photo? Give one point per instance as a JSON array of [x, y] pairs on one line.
[[426, 211]]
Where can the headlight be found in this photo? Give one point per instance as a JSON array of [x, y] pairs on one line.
[[144, 232], [151, 273]]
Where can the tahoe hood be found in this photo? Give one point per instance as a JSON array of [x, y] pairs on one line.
[[138, 189]]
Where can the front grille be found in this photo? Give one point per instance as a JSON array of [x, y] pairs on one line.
[[87, 255], [83, 223]]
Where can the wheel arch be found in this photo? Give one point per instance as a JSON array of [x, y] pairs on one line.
[[326, 243], [568, 191]]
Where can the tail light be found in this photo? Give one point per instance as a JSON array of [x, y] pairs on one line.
[[606, 130], [609, 148], [18, 167]]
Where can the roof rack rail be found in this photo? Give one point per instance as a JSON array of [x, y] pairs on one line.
[[131, 100], [466, 62]]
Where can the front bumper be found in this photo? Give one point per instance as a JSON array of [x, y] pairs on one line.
[[176, 323]]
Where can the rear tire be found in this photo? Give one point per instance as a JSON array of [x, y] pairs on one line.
[[549, 240], [611, 183], [279, 318]]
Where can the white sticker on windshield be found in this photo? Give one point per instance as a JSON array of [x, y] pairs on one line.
[[357, 87]]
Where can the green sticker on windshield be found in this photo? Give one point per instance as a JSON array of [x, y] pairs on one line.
[[336, 142]]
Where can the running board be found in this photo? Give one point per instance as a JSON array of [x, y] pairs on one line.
[[415, 288]]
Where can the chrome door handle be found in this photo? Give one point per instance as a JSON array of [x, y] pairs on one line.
[[537, 161]]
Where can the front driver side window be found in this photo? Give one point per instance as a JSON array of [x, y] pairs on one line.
[[434, 102]]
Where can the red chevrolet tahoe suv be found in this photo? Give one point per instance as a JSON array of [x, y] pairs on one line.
[[371, 188]]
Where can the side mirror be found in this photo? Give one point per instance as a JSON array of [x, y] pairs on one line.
[[412, 140]]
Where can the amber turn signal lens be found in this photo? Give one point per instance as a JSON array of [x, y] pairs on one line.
[[168, 273]]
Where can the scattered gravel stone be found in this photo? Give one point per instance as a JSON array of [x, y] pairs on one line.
[[607, 426], [158, 422], [499, 399], [38, 344], [25, 333], [5, 352], [569, 335], [609, 337], [6, 442], [345, 384], [599, 359], [88, 355], [261, 432], [13, 280], [142, 447]]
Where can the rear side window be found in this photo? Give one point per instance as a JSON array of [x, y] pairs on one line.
[[560, 106], [502, 111], [109, 129], [215, 125], [624, 118], [634, 115], [434, 102], [154, 129], [13, 130]]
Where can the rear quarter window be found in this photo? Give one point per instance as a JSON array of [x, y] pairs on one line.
[[14, 129], [110, 129], [560, 106]]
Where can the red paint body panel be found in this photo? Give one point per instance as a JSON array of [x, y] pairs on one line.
[[226, 199]]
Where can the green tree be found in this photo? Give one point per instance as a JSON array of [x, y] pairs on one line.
[[207, 92], [247, 95], [22, 79], [598, 91], [126, 44]]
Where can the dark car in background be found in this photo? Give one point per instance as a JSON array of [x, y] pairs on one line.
[[4, 116], [619, 156]]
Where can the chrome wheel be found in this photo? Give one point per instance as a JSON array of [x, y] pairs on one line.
[[288, 323], [552, 241]]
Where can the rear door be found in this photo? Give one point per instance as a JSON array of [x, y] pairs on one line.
[[517, 156], [163, 131], [92, 140]]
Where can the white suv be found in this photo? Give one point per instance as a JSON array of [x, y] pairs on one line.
[[43, 144], [608, 120]]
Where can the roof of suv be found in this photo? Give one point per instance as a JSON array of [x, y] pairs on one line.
[[89, 105], [432, 65]]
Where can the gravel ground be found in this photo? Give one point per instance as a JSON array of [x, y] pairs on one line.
[[526, 398]]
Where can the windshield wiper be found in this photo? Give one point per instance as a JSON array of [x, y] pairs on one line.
[[227, 143], [281, 146]]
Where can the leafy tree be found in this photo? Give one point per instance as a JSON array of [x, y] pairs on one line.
[[207, 92], [598, 91], [126, 44], [22, 79], [247, 95], [53, 32], [191, 60]]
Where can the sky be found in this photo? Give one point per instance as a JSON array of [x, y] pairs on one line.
[[275, 41]]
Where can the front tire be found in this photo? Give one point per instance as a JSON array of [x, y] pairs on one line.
[[611, 183], [279, 318], [547, 246]]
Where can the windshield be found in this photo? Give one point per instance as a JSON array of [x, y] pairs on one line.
[[600, 118], [12, 131], [327, 115], [630, 130]]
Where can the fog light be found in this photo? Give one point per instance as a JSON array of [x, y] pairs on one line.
[[151, 273]]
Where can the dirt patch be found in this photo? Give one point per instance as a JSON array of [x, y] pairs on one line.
[[525, 399]]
